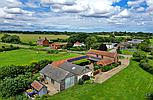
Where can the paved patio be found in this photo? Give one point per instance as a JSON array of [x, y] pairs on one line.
[[51, 89]]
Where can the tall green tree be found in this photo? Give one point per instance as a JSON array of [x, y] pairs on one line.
[[90, 41]]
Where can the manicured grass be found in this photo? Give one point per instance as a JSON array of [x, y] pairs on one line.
[[131, 83], [35, 37], [128, 51], [26, 56]]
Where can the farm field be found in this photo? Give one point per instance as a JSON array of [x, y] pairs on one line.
[[26, 56], [131, 83], [35, 37]]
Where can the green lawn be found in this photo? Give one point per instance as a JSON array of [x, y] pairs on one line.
[[26, 56], [128, 51], [130, 84], [34, 37]]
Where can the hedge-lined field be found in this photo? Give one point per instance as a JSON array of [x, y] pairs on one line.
[[1, 44], [26, 56], [34, 37], [131, 83]]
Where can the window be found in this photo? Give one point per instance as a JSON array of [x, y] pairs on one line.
[[69, 82]]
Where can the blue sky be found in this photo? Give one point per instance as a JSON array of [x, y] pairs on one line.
[[77, 15]]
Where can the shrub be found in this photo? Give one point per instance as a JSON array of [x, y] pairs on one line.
[[16, 79], [146, 66], [139, 55], [149, 96], [85, 77], [53, 51], [80, 81], [115, 65], [10, 38], [88, 82], [150, 57], [83, 63], [13, 71], [8, 48], [96, 67], [106, 68]]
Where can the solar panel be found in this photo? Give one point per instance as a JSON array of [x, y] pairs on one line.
[[78, 58]]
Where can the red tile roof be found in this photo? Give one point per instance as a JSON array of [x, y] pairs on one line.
[[58, 63], [36, 85], [77, 43], [58, 44], [105, 62], [103, 53]]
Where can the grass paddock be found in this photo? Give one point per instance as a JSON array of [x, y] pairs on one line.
[[26, 56], [131, 83]]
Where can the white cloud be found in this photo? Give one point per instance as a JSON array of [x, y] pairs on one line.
[[140, 9], [13, 3], [134, 3], [91, 8], [61, 2], [16, 11], [123, 14], [150, 4], [3, 14]]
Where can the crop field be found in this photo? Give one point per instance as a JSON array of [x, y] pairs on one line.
[[131, 83], [35, 37], [26, 56]]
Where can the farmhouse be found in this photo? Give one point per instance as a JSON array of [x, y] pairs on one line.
[[63, 75], [110, 45], [102, 58], [78, 44], [57, 45], [129, 44], [43, 42], [135, 41]]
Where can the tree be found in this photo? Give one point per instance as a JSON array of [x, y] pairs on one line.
[[77, 37], [10, 38], [103, 47], [90, 41], [144, 46], [118, 50], [139, 55]]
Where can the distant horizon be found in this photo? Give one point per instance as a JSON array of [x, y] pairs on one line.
[[73, 31]]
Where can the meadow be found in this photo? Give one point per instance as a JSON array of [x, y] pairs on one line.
[[131, 83], [27, 56], [34, 37]]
